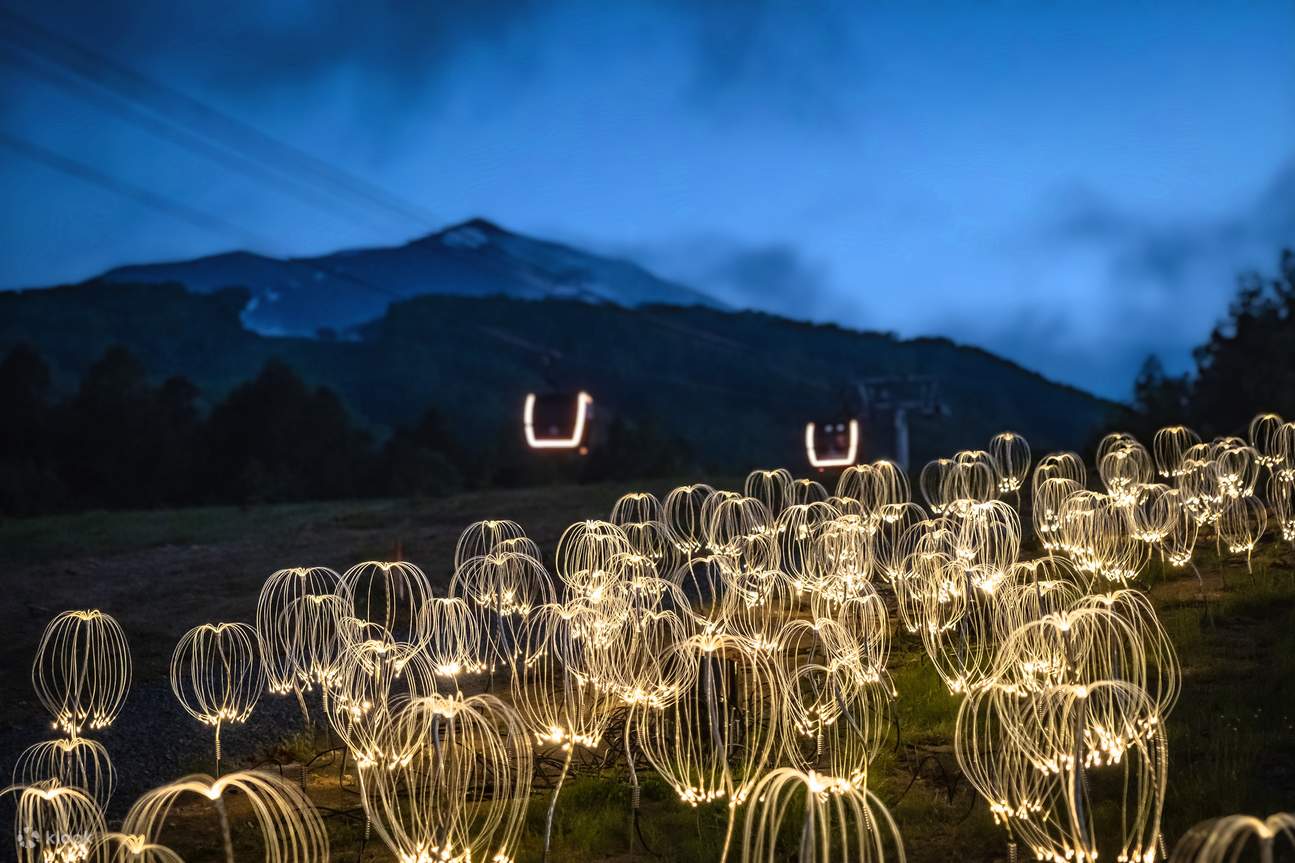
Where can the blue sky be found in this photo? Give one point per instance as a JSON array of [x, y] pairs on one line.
[[1070, 184]]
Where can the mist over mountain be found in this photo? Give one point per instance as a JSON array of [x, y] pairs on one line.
[[476, 258]]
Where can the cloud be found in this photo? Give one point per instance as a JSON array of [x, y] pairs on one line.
[[772, 276], [750, 56], [1168, 251], [248, 45], [805, 62], [1161, 281]]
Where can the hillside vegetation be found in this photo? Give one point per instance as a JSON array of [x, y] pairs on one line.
[[735, 388]]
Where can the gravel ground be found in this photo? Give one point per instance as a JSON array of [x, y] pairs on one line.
[[153, 741], [157, 587]]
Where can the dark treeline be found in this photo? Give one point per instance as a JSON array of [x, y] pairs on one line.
[[122, 440], [1247, 366]]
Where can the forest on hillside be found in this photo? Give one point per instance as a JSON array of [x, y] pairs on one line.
[[129, 433]]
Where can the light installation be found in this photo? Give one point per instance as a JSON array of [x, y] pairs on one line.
[[736, 643], [217, 676], [82, 670]]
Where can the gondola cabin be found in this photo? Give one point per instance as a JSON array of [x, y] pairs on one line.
[[832, 444], [558, 421]]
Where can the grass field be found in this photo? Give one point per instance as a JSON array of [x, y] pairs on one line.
[[1231, 737]]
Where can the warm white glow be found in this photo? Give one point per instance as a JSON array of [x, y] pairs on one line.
[[583, 403], [851, 452]]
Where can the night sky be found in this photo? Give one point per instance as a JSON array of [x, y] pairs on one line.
[[1070, 184]]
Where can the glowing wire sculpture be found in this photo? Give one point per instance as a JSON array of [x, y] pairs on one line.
[[1011, 455], [1170, 446], [874, 487], [1264, 435], [807, 491], [76, 762], [320, 625], [374, 677], [121, 847], [890, 543], [1179, 541], [82, 670], [554, 690], [970, 480], [1237, 469], [1283, 453], [1036, 588], [844, 552], [704, 583], [740, 530], [1227, 839], [1241, 525], [995, 768], [1152, 513], [919, 559], [586, 556], [931, 483], [682, 513], [1082, 734], [839, 821], [486, 537], [636, 508], [56, 824], [797, 531], [634, 664], [713, 742], [958, 609], [1067, 465], [290, 828], [1048, 498], [1123, 468], [1105, 637], [217, 675], [1095, 531], [505, 587], [388, 594], [451, 639], [1281, 502], [460, 791], [282, 625], [771, 487], [1198, 487], [834, 693], [757, 604]]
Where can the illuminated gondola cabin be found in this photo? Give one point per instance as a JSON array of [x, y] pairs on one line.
[[832, 444], [558, 421]]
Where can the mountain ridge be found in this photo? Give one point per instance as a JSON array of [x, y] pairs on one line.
[[737, 387], [341, 290]]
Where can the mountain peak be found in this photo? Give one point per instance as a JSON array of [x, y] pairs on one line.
[[475, 258], [471, 234]]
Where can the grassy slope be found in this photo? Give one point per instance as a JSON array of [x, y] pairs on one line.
[[1231, 738]]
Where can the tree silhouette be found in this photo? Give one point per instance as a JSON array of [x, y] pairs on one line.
[[124, 443], [1246, 366], [273, 438], [29, 481], [423, 460]]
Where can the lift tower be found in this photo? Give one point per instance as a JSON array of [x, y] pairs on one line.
[[894, 399]]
